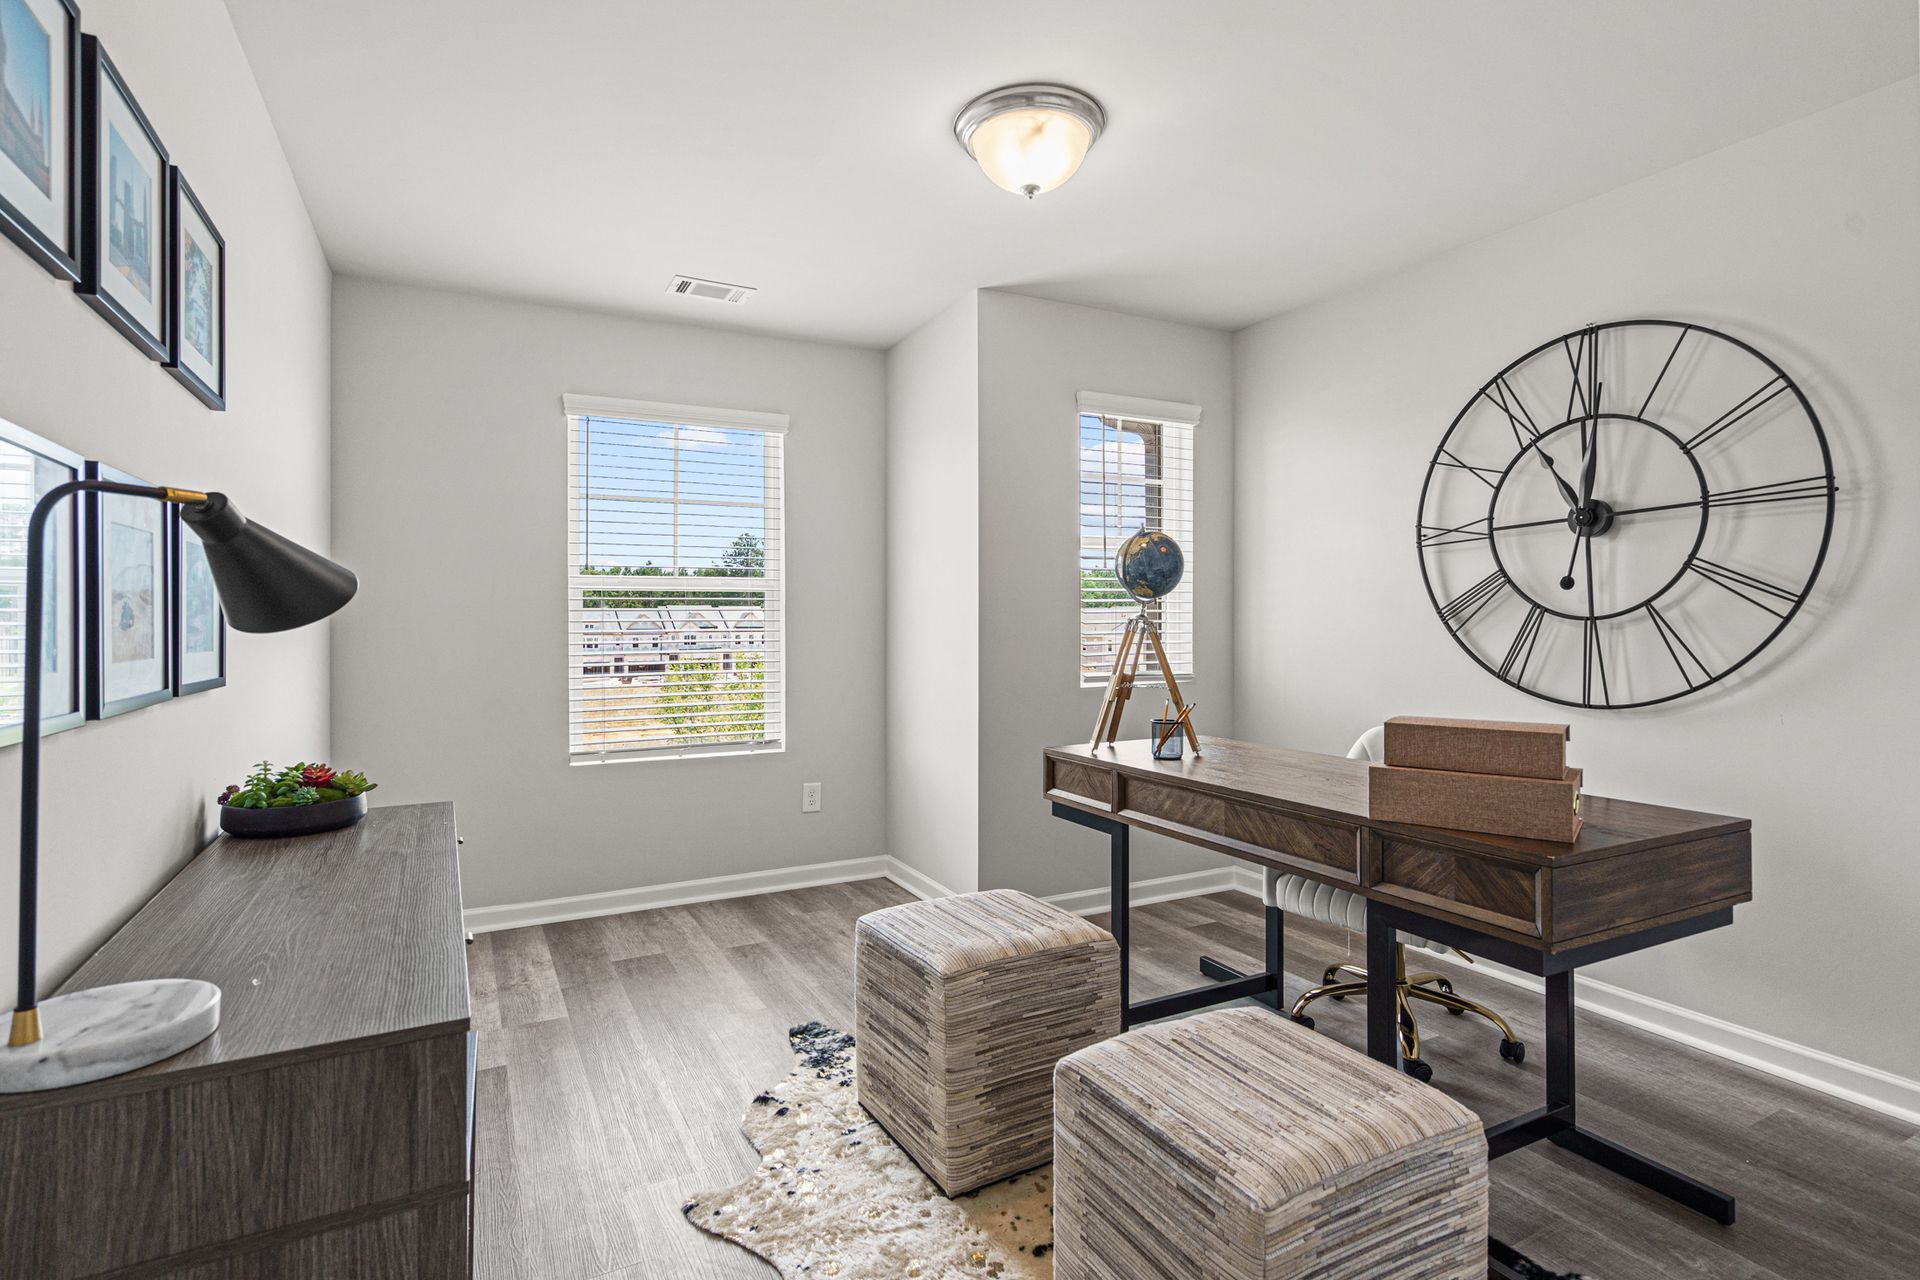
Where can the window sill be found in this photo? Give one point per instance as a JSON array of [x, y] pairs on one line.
[[670, 753]]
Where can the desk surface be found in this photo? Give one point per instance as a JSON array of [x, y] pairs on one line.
[[1634, 864]]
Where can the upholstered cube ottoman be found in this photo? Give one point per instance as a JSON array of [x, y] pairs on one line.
[[1239, 1146], [963, 1005]]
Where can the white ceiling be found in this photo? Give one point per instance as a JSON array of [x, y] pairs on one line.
[[1260, 153]]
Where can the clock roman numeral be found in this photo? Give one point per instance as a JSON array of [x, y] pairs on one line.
[[1479, 530], [1660, 377], [1777, 491], [1677, 645], [1460, 610], [1593, 659], [1764, 394], [1478, 473], [1520, 652], [1504, 398], [1755, 591]]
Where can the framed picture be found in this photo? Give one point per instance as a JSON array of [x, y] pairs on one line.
[[197, 269], [129, 604], [29, 466], [124, 232], [39, 131], [199, 625]]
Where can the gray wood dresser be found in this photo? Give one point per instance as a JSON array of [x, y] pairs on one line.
[[325, 1130]]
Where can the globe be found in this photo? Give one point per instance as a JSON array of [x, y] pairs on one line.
[[1149, 564]]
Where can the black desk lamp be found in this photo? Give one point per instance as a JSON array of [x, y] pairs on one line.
[[265, 583]]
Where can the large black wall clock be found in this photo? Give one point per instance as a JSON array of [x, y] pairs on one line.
[[1626, 514]]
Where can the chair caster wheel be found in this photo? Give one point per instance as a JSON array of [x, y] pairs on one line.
[[1304, 1019], [1339, 999], [1514, 1051], [1418, 1069], [1458, 1013]]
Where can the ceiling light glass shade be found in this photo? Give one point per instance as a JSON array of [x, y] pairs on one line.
[[1030, 138]]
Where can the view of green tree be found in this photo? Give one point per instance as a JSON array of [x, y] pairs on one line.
[[702, 701], [1099, 589], [746, 558]]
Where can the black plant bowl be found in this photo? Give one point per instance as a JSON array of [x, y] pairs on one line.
[[293, 820]]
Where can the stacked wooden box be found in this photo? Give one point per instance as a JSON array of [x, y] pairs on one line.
[[1501, 777]]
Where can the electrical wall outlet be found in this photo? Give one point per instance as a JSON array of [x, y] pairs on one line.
[[809, 797]]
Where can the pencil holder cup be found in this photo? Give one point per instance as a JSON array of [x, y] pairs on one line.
[[1168, 745]]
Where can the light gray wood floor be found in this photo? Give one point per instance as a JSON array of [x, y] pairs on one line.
[[617, 1054]]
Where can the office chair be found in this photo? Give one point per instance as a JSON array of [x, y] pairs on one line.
[[1298, 895]]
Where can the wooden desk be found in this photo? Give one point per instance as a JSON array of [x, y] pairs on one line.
[[324, 1130], [1639, 875]]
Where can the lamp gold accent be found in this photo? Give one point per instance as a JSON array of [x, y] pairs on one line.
[[185, 497], [26, 1028]]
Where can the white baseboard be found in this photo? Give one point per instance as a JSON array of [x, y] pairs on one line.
[[916, 882], [1828, 1073], [1856, 1082], [515, 915], [1088, 902]]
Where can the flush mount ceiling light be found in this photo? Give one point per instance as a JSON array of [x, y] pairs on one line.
[[1030, 138]]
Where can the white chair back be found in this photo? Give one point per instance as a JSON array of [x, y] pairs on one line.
[[1371, 745]]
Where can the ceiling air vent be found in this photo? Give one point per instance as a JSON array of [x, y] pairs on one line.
[[694, 287]]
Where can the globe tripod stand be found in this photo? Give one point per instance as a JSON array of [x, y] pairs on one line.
[[1140, 632]]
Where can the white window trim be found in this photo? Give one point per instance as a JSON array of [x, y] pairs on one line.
[[691, 415], [1103, 404], [574, 407]]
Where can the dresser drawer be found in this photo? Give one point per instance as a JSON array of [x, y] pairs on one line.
[[1471, 888]]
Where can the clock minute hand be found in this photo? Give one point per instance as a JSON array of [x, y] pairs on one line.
[[1586, 473]]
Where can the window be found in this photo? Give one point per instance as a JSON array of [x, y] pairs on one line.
[[674, 583], [1136, 471]]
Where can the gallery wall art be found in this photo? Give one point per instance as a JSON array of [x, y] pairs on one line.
[[88, 190], [39, 127]]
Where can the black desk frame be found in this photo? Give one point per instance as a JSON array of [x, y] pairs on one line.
[[1554, 1122]]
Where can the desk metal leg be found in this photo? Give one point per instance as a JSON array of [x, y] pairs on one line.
[[1276, 962], [1383, 995], [1231, 984], [1120, 897]]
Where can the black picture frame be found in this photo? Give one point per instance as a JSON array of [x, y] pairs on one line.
[[183, 541], [65, 684], [99, 76], [103, 701], [181, 196], [55, 248]]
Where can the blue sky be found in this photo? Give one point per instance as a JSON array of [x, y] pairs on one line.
[[622, 461]]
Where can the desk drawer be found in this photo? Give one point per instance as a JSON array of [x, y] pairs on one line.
[[1306, 842], [1470, 888], [1332, 845]]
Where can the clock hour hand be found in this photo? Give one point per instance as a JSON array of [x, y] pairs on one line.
[[1566, 490]]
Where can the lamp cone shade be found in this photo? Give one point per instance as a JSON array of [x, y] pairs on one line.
[[266, 582]]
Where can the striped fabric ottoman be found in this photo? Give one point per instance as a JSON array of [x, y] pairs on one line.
[[963, 1005], [1239, 1146]]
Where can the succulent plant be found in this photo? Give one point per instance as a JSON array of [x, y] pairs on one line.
[[293, 787]]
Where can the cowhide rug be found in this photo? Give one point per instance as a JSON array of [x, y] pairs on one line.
[[834, 1196]]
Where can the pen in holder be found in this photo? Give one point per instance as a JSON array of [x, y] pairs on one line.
[[1169, 738]]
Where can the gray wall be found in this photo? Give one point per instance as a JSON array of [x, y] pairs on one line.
[[450, 671], [1801, 240], [127, 800], [1034, 357], [933, 598]]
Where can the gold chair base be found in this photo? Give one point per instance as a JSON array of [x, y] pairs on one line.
[[1433, 988]]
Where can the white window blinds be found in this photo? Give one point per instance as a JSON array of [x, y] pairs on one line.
[[674, 580], [1136, 471]]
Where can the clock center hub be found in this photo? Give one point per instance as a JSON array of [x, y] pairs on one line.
[[1591, 520]]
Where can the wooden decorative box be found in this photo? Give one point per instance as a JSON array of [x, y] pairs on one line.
[[1536, 808], [1514, 749]]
